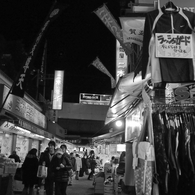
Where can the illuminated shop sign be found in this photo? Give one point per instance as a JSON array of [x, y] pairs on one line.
[[58, 90], [21, 108], [133, 29], [96, 99]]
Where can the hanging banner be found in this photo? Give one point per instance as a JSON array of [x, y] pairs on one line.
[[98, 64], [20, 84], [58, 90], [106, 17], [133, 29], [121, 61], [174, 45]]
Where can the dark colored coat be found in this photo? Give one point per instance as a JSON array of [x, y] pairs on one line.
[[15, 157], [29, 170], [45, 158], [73, 162], [60, 175], [84, 164], [92, 162]]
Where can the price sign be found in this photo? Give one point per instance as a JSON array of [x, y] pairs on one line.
[[174, 45]]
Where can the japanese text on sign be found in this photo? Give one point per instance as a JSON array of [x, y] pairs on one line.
[[174, 45]]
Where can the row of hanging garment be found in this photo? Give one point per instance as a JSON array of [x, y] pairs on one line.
[[174, 140], [167, 19]]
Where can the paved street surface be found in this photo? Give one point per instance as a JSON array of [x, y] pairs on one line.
[[83, 186]]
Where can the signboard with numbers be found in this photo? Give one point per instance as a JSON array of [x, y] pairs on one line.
[[174, 45]]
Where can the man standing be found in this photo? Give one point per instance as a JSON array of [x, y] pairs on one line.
[[74, 166], [45, 159], [15, 156]]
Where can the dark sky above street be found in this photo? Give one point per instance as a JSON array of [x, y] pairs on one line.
[[74, 41]]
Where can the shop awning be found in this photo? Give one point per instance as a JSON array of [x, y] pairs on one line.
[[12, 123], [126, 97], [108, 136]]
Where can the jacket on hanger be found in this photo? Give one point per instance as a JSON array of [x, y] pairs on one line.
[[162, 21]]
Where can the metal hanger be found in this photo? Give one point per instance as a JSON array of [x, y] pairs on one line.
[[170, 6]]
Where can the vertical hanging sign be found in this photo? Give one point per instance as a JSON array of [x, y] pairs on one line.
[[121, 61], [58, 90]]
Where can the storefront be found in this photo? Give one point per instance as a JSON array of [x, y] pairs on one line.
[[22, 125], [109, 145], [59, 135], [159, 109]]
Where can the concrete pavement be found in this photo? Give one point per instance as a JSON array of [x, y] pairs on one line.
[[83, 186]]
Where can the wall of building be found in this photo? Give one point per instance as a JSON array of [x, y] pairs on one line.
[[83, 111]]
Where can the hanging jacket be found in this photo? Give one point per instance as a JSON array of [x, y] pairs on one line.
[[172, 69], [161, 157]]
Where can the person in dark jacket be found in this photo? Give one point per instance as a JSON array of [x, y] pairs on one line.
[[92, 163], [45, 159], [74, 166], [15, 156], [85, 165], [60, 166], [29, 172]]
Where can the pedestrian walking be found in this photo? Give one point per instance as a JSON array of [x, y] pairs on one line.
[[85, 165], [92, 164], [60, 165], [45, 159], [74, 167], [29, 172], [78, 167]]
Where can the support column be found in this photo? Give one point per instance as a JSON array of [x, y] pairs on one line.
[[129, 172]]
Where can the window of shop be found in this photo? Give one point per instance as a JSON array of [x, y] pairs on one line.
[[22, 146], [35, 144], [6, 141]]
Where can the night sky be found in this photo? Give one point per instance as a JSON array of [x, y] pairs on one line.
[[74, 39]]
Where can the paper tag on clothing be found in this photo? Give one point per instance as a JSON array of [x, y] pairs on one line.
[[135, 162]]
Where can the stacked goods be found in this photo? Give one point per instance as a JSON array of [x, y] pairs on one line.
[[7, 166]]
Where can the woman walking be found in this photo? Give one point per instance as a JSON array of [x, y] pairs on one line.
[[79, 166], [60, 166], [29, 172]]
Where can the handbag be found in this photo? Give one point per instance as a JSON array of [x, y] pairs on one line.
[[18, 174], [70, 173], [143, 161], [42, 171]]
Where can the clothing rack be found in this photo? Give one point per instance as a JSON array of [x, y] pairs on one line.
[[173, 108]]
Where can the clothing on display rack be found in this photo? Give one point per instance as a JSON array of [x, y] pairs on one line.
[[164, 20], [174, 140]]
